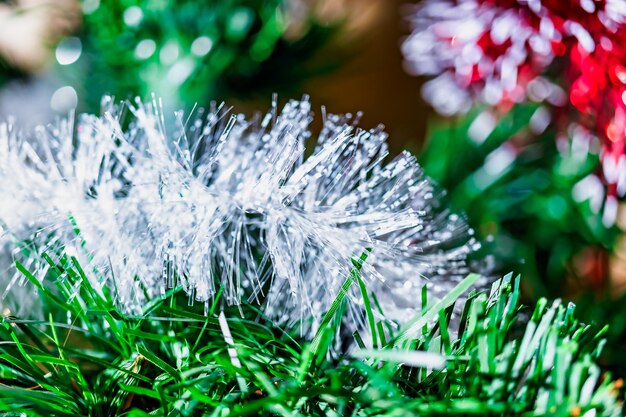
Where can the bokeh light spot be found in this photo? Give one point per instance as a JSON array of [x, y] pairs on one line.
[[133, 16], [64, 99], [68, 51], [201, 46], [90, 6], [145, 49], [169, 53]]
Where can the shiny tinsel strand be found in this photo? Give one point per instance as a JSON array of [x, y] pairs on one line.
[[216, 201]]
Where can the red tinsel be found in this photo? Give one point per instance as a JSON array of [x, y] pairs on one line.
[[504, 51]]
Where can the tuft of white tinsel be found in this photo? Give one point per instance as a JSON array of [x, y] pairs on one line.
[[216, 201]]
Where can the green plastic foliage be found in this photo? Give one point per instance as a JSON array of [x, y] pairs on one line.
[[525, 213], [517, 188], [173, 360]]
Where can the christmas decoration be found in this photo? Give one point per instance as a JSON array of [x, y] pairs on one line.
[[568, 54], [154, 263], [224, 205], [208, 268]]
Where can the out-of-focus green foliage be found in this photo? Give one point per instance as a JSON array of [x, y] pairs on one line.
[[187, 51], [518, 190]]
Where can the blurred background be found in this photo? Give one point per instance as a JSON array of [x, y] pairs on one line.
[[517, 108], [344, 53]]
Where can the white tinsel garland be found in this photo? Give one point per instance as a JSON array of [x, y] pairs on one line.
[[221, 201]]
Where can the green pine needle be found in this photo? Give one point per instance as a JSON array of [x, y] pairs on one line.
[[173, 360]]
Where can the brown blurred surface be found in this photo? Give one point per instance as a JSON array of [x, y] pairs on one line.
[[371, 78], [374, 82]]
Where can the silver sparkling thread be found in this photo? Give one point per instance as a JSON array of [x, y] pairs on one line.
[[218, 201]]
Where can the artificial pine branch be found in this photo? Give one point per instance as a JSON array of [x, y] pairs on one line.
[[171, 360]]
